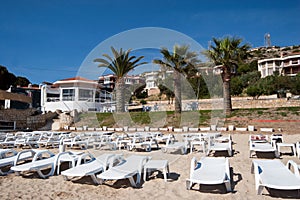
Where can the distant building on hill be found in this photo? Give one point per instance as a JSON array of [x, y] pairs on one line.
[[151, 80], [285, 65], [107, 82]]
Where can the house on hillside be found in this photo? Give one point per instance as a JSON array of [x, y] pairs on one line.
[[75, 93], [285, 65], [107, 82], [151, 80], [31, 92]]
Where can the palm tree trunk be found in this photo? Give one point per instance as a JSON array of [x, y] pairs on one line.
[[177, 91], [227, 97], [120, 107]]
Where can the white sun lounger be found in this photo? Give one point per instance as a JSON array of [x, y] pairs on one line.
[[210, 171], [4, 153], [92, 167], [274, 174], [127, 168], [172, 145], [221, 145], [13, 160], [43, 159], [262, 147], [298, 149]]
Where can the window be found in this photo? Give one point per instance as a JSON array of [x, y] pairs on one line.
[[86, 95], [106, 80], [68, 94], [294, 61]]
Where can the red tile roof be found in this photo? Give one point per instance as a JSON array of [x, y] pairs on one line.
[[77, 78]]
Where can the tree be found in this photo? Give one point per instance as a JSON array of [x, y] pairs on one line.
[[227, 54], [199, 86], [22, 81], [6, 78], [120, 64], [178, 61], [236, 86], [254, 91], [166, 91], [295, 88]]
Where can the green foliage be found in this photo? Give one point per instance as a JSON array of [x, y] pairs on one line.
[[260, 112], [236, 86], [6, 78], [283, 114], [121, 63], [105, 119], [254, 91], [140, 117], [164, 90], [272, 85], [205, 116], [139, 91], [247, 67], [143, 101], [250, 78], [295, 85], [22, 81], [199, 86]]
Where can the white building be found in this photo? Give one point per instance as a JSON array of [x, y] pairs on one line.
[[286, 65], [151, 80], [75, 93]]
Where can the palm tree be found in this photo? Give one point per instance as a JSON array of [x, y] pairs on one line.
[[120, 64], [178, 61], [227, 54]]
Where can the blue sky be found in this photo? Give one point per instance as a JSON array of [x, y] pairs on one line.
[[49, 40]]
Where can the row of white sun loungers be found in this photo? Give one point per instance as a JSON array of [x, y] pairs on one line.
[[208, 170], [112, 166], [211, 142], [32, 139]]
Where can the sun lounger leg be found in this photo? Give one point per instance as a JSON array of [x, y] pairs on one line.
[[66, 178], [188, 184], [132, 181], [260, 189], [165, 172], [40, 173], [4, 173], [95, 180], [250, 155], [228, 186], [230, 152]]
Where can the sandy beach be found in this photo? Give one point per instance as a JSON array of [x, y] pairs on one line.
[[30, 186]]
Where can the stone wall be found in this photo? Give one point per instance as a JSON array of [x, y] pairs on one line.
[[264, 103], [38, 121], [28, 118], [240, 103], [237, 103]]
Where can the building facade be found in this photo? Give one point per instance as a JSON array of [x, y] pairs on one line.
[[107, 82], [151, 80], [285, 65], [75, 93]]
